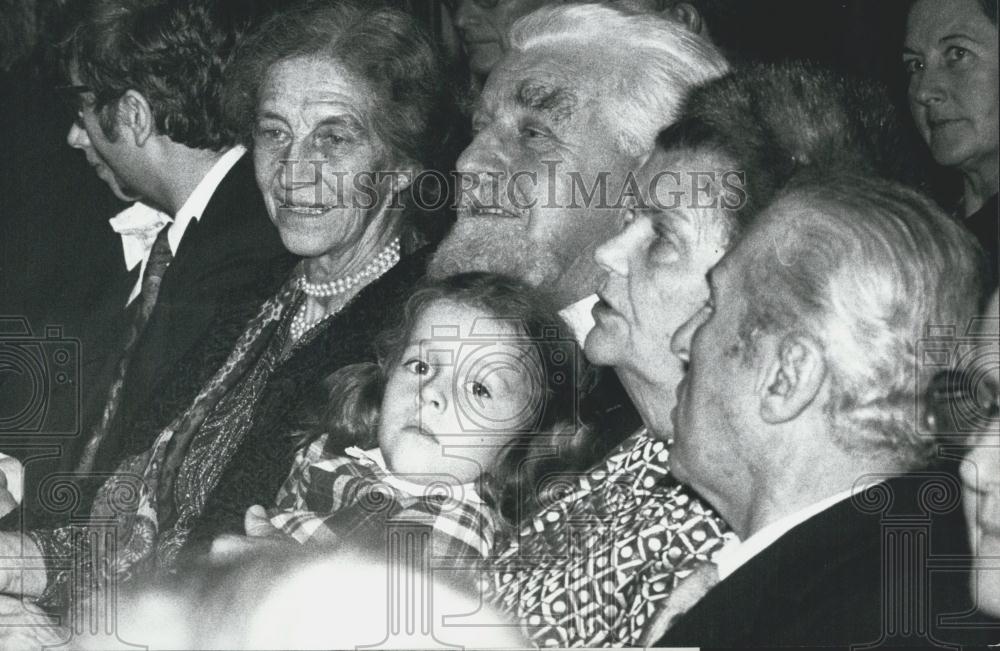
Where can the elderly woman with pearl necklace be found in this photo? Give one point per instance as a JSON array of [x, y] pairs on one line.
[[344, 103]]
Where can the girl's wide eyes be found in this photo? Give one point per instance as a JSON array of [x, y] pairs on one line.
[[417, 366], [479, 390]]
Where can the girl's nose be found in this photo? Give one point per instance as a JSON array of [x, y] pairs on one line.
[[432, 396]]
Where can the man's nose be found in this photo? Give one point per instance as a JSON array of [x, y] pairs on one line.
[[680, 343], [484, 154], [78, 138]]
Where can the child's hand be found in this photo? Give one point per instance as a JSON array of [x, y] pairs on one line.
[[257, 524], [261, 534], [228, 547]]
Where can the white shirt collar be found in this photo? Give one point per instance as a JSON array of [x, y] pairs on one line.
[[579, 318], [139, 224], [202, 194], [735, 553]]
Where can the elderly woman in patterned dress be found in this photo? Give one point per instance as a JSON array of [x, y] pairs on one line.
[[344, 103], [606, 563]]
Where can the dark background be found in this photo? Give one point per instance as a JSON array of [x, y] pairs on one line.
[[56, 246]]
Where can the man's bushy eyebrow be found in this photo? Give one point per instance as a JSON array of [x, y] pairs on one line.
[[558, 102]]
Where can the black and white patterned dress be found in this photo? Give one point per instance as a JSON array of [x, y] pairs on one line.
[[591, 567]]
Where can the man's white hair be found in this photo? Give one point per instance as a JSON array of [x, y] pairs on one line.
[[866, 267], [659, 61]]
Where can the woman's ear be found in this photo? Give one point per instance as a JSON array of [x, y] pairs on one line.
[[793, 380]]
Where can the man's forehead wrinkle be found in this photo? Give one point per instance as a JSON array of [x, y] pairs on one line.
[[558, 101]]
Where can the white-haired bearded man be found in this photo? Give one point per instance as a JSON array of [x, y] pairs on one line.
[[570, 111]]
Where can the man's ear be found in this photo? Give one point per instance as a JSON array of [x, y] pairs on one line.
[[793, 379], [403, 179], [688, 16], [135, 117]]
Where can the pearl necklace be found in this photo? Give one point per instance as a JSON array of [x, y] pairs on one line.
[[384, 261]]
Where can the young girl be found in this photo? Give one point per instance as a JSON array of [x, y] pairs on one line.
[[471, 406]]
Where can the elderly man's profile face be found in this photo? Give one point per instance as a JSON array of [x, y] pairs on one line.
[[718, 400], [676, 230], [541, 144]]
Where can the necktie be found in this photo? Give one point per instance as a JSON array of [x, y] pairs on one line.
[[156, 265], [687, 593]]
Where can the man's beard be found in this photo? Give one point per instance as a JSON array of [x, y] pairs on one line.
[[497, 246]]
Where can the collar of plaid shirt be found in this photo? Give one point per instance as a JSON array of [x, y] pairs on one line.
[[376, 460]]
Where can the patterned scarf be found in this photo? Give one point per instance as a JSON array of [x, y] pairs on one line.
[[140, 498]]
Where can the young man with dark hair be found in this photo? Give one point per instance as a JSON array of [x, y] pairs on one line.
[[147, 80]]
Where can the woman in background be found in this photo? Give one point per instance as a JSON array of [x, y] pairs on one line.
[[951, 59]]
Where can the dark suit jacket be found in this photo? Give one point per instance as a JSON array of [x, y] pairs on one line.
[[847, 576], [230, 260], [228, 253], [292, 392]]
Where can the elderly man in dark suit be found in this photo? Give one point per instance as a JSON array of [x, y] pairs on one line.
[[147, 81], [797, 419]]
